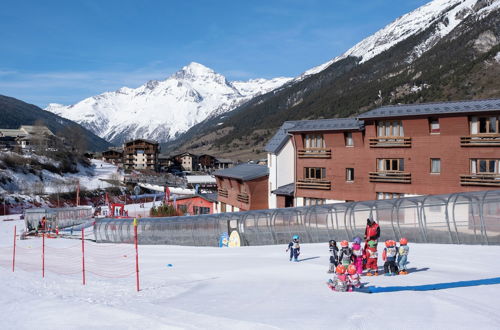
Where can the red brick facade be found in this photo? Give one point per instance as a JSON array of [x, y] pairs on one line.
[[245, 195], [417, 149]]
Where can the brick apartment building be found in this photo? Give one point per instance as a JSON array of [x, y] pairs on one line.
[[242, 188], [140, 154], [391, 152]]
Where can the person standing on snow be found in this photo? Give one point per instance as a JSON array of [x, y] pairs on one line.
[[294, 248], [372, 232]]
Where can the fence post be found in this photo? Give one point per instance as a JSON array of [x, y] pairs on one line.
[[14, 251], [136, 254], [83, 256], [43, 255]]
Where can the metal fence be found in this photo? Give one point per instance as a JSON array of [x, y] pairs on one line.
[[461, 218]]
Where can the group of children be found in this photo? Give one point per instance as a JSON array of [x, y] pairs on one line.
[[348, 263]]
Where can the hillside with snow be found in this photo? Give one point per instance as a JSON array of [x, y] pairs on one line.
[[161, 110]]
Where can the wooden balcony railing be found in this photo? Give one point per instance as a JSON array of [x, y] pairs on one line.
[[480, 179], [390, 142], [480, 141], [313, 184], [390, 177], [314, 153], [223, 193], [244, 198]]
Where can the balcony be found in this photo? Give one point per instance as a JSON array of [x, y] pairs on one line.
[[313, 184], [243, 198], [480, 141], [480, 179], [314, 153], [390, 177], [223, 193], [390, 142]]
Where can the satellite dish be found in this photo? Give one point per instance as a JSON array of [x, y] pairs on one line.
[[137, 190]]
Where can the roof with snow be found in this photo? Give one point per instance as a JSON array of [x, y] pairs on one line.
[[425, 109], [244, 172]]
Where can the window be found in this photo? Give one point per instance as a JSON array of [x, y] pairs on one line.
[[314, 172], [313, 201], [434, 125], [435, 165], [349, 174], [349, 142], [484, 125], [314, 141], [201, 210], [386, 195], [486, 166], [385, 165], [390, 128]]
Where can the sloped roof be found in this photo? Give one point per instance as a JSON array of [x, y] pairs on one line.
[[335, 124], [281, 137], [286, 190], [425, 109], [244, 172]]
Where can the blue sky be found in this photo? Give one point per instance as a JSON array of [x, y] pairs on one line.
[[64, 51]]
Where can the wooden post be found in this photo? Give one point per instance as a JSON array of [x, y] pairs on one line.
[[14, 251], [83, 256], [136, 254]]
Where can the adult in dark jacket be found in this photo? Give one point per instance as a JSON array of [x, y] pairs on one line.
[[372, 232]]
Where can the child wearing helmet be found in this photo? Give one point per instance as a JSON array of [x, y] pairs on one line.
[[333, 255], [371, 256], [294, 248], [353, 278], [403, 251], [389, 256], [345, 255], [357, 253], [339, 282]]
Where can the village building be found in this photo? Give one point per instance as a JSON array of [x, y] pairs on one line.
[[188, 161], [196, 204], [28, 138], [113, 155], [140, 154], [242, 188]]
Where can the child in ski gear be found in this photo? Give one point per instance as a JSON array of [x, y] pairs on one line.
[[403, 256], [333, 255], [357, 253], [339, 282], [294, 248], [389, 256], [353, 278], [345, 255], [371, 256]]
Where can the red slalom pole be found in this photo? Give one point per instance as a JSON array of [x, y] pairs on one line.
[[83, 256], [14, 251], [43, 255], [136, 254]]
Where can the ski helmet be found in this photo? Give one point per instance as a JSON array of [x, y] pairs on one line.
[[403, 241], [387, 243], [344, 243], [340, 269], [351, 269], [372, 244], [357, 240], [296, 237], [332, 242]]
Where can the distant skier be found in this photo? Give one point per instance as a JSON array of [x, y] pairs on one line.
[[294, 248], [358, 255], [333, 255], [340, 281], [371, 256], [389, 256], [403, 251], [345, 255], [353, 278]]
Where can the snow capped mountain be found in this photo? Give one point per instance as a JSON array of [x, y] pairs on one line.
[[161, 110], [447, 14]]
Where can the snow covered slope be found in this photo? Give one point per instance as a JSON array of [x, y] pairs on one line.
[[161, 110], [250, 288], [447, 14]]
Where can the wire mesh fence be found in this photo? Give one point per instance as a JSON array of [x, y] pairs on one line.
[[461, 218]]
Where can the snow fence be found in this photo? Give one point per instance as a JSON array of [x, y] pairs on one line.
[[461, 218]]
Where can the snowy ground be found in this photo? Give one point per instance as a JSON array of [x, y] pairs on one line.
[[254, 288]]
